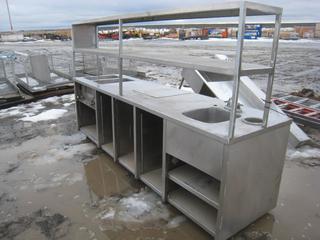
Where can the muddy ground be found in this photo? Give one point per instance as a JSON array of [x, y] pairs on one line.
[[55, 184]]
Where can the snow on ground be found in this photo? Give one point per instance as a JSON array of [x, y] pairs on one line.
[[176, 221], [45, 116], [3, 86], [30, 81], [36, 111], [305, 152], [135, 209], [54, 151], [60, 148]]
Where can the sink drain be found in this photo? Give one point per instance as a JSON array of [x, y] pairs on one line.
[[253, 120]]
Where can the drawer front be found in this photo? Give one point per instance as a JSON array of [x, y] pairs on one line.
[[196, 149]]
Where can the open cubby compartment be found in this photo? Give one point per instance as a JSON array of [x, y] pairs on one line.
[[105, 123], [124, 126], [87, 122], [85, 95], [149, 149], [194, 193]]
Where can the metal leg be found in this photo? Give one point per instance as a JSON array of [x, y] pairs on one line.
[[164, 164], [135, 144], [181, 83], [237, 73], [120, 58], [98, 72], [73, 73], [273, 65], [3, 69]]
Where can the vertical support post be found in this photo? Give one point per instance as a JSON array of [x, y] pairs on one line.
[[135, 144], [275, 45], [120, 59], [51, 60], [9, 15], [26, 69], [237, 72], [3, 69], [114, 134], [73, 72], [165, 163], [13, 70], [83, 63], [98, 66]]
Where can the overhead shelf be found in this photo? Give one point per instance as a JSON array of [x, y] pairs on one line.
[[202, 185], [225, 9], [197, 210], [182, 60]]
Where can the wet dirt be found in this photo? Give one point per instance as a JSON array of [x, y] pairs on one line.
[[52, 226], [55, 184]]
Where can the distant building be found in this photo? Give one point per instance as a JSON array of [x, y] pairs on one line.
[[11, 37]]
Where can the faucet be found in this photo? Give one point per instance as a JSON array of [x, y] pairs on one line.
[[228, 105]]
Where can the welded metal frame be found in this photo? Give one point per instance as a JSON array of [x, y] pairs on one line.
[[237, 75], [242, 9]]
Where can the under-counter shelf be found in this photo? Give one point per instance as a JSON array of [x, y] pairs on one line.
[[90, 131], [124, 129], [196, 209], [88, 103], [153, 179], [108, 148], [128, 162], [150, 149], [105, 123], [202, 185]]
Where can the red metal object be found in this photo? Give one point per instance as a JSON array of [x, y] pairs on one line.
[[300, 112]]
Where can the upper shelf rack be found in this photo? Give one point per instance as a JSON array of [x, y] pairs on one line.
[[182, 60], [84, 35], [216, 10]]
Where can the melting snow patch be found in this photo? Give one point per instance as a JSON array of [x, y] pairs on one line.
[[58, 153], [3, 86], [46, 115], [303, 153], [134, 209], [176, 221], [26, 110], [108, 214], [32, 109]]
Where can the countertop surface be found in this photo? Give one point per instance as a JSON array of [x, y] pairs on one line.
[[170, 103]]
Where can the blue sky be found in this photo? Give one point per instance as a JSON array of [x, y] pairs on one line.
[[36, 14]]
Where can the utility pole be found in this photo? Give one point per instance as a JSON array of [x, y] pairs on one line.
[[11, 26]]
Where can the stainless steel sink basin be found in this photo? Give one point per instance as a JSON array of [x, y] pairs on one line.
[[209, 115]]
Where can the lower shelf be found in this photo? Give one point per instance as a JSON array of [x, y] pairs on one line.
[[196, 209], [200, 184], [91, 132], [153, 179], [108, 148], [128, 162]]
